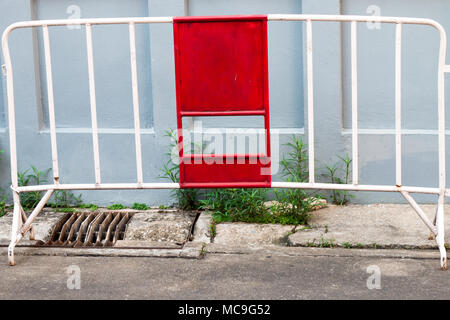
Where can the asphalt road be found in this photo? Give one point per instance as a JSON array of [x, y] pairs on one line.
[[222, 276]]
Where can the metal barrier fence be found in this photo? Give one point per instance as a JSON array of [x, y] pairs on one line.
[[23, 224]]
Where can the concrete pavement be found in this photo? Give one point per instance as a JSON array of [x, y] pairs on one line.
[[287, 273]]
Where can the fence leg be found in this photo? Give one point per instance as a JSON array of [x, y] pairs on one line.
[[441, 232], [16, 225], [24, 219], [431, 237]]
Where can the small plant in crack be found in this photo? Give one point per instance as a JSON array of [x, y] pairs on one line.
[[339, 173], [346, 245], [326, 243], [212, 231]]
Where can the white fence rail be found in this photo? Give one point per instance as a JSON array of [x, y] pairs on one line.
[[22, 224]]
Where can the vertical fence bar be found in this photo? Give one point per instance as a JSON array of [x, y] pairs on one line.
[[309, 54], [134, 81], [398, 104], [441, 109], [354, 58], [51, 103], [440, 216], [11, 114], [90, 57]]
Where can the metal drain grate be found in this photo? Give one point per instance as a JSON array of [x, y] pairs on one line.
[[88, 229]]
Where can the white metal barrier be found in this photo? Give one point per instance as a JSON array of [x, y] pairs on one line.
[[23, 224]]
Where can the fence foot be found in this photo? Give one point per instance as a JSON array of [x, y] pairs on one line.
[[11, 254], [440, 240]]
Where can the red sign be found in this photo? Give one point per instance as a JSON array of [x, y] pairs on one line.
[[221, 70]]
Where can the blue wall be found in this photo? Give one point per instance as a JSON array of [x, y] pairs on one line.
[[157, 89]]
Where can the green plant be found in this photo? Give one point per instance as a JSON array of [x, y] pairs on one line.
[[248, 205], [212, 231], [116, 206], [64, 198], [65, 209], [29, 200], [90, 206], [162, 206], [339, 173], [245, 205], [326, 243], [187, 199], [203, 249], [322, 243], [347, 245], [294, 205], [2, 207], [139, 206]]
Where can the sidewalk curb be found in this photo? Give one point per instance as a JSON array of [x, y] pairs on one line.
[[191, 250]]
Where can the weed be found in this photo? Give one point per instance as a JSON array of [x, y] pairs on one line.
[[294, 205], [339, 173], [203, 249], [247, 205], [90, 206], [322, 243], [326, 228], [64, 198], [139, 206], [66, 210], [163, 207], [326, 243], [116, 206], [359, 245], [29, 200], [2, 207], [347, 245], [212, 231], [231, 205], [188, 199]]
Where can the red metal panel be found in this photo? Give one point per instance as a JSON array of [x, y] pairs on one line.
[[244, 171], [221, 70], [221, 63]]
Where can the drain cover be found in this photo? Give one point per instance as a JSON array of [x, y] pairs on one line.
[[89, 229]]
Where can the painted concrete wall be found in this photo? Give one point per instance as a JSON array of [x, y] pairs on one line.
[[157, 89]]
